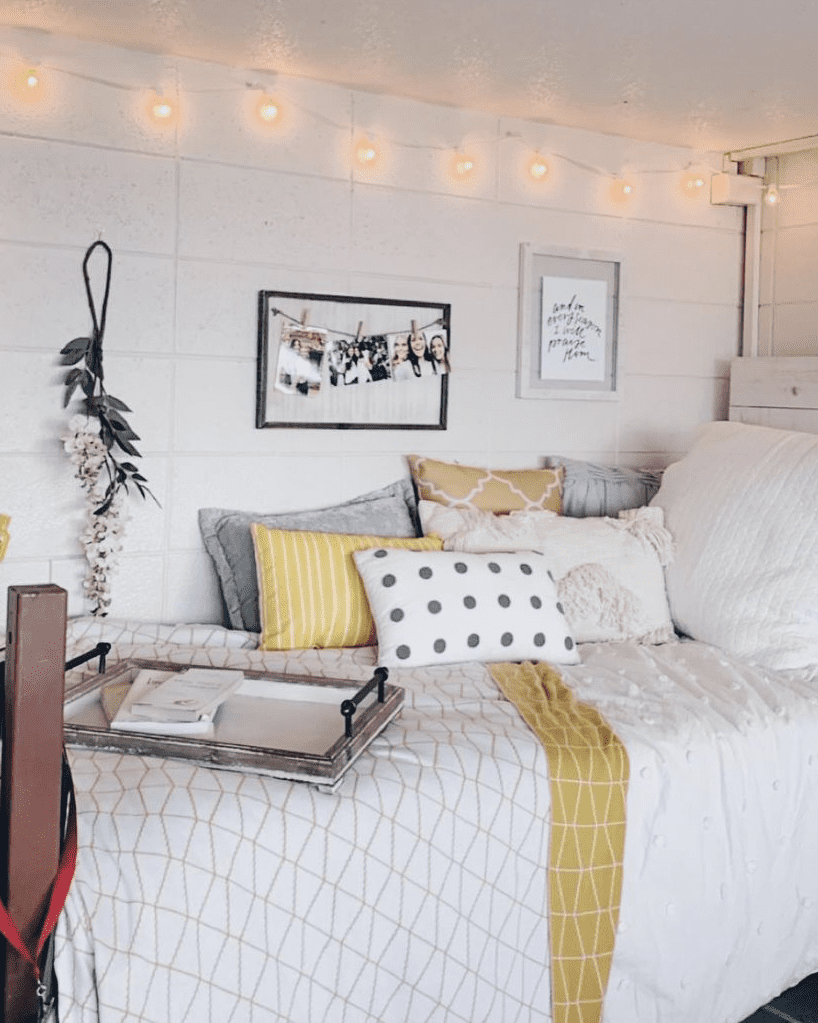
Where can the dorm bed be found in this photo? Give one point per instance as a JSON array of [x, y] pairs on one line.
[[424, 887]]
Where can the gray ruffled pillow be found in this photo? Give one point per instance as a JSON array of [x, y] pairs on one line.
[[390, 511], [598, 490]]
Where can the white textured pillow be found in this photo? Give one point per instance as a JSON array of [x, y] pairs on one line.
[[743, 509], [435, 607], [609, 572]]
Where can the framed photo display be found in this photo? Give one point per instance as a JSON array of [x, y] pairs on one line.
[[348, 363], [568, 324]]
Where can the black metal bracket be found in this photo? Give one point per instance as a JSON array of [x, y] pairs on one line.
[[348, 707], [101, 650]]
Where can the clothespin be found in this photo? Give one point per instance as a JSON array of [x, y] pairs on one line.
[[414, 329], [305, 316], [360, 328]]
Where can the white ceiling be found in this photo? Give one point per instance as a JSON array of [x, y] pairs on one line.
[[719, 75]]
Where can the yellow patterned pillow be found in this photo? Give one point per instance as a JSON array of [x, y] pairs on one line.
[[495, 490], [310, 592]]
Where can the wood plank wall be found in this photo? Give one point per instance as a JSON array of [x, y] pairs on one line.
[[778, 392]]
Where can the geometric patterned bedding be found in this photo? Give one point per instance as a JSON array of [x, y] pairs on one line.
[[416, 891]]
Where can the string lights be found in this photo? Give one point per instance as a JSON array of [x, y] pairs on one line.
[[267, 110], [365, 153], [694, 183], [162, 108], [28, 85], [773, 192], [621, 191], [538, 168], [463, 165]]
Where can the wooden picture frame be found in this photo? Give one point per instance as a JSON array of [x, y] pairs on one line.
[[568, 323], [331, 362]]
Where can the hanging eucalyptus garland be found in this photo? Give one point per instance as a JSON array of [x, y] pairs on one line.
[[94, 442], [114, 430]]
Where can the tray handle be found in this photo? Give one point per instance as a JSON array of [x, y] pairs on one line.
[[101, 649], [348, 707]]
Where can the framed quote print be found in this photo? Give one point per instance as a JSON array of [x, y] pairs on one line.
[[568, 322]]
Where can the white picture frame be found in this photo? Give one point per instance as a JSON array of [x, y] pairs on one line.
[[568, 323]]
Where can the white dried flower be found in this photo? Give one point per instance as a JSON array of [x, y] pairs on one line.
[[102, 536]]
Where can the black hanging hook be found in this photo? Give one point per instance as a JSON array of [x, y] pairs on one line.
[[99, 323]]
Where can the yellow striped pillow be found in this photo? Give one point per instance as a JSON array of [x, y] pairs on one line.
[[310, 593]]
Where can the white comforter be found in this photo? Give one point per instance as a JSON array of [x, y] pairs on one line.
[[417, 892]]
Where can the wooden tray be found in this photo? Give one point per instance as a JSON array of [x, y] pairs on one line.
[[289, 726]]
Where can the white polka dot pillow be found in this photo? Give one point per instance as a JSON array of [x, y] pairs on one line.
[[436, 607]]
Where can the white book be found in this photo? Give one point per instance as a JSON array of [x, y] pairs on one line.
[[118, 700], [187, 695]]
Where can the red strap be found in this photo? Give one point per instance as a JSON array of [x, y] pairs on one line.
[[59, 893]]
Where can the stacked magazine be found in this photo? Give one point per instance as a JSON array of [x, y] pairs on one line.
[[175, 702]]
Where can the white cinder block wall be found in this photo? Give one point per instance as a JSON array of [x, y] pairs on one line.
[[788, 313], [203, 216]]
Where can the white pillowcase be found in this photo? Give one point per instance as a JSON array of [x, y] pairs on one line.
[[743, 509], [609, 572], [436, 607]]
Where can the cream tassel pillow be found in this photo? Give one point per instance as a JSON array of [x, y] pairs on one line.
[[591, 595], [610, 571]]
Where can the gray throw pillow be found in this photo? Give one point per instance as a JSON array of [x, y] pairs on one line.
[[390, 511], [593, 489]]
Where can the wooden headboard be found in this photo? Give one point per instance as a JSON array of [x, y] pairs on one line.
[[775, 391]]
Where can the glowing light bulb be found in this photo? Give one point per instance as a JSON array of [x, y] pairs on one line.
[[162, 110], [621, 191], [365, 153], [538, 168], [461, 165], [268, 110], [28, 85], [772, 196], [693, 183]]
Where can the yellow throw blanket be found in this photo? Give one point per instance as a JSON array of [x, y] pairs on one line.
[[588, 767]]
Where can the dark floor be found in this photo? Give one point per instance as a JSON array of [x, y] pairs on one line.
[[798, 1005]]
